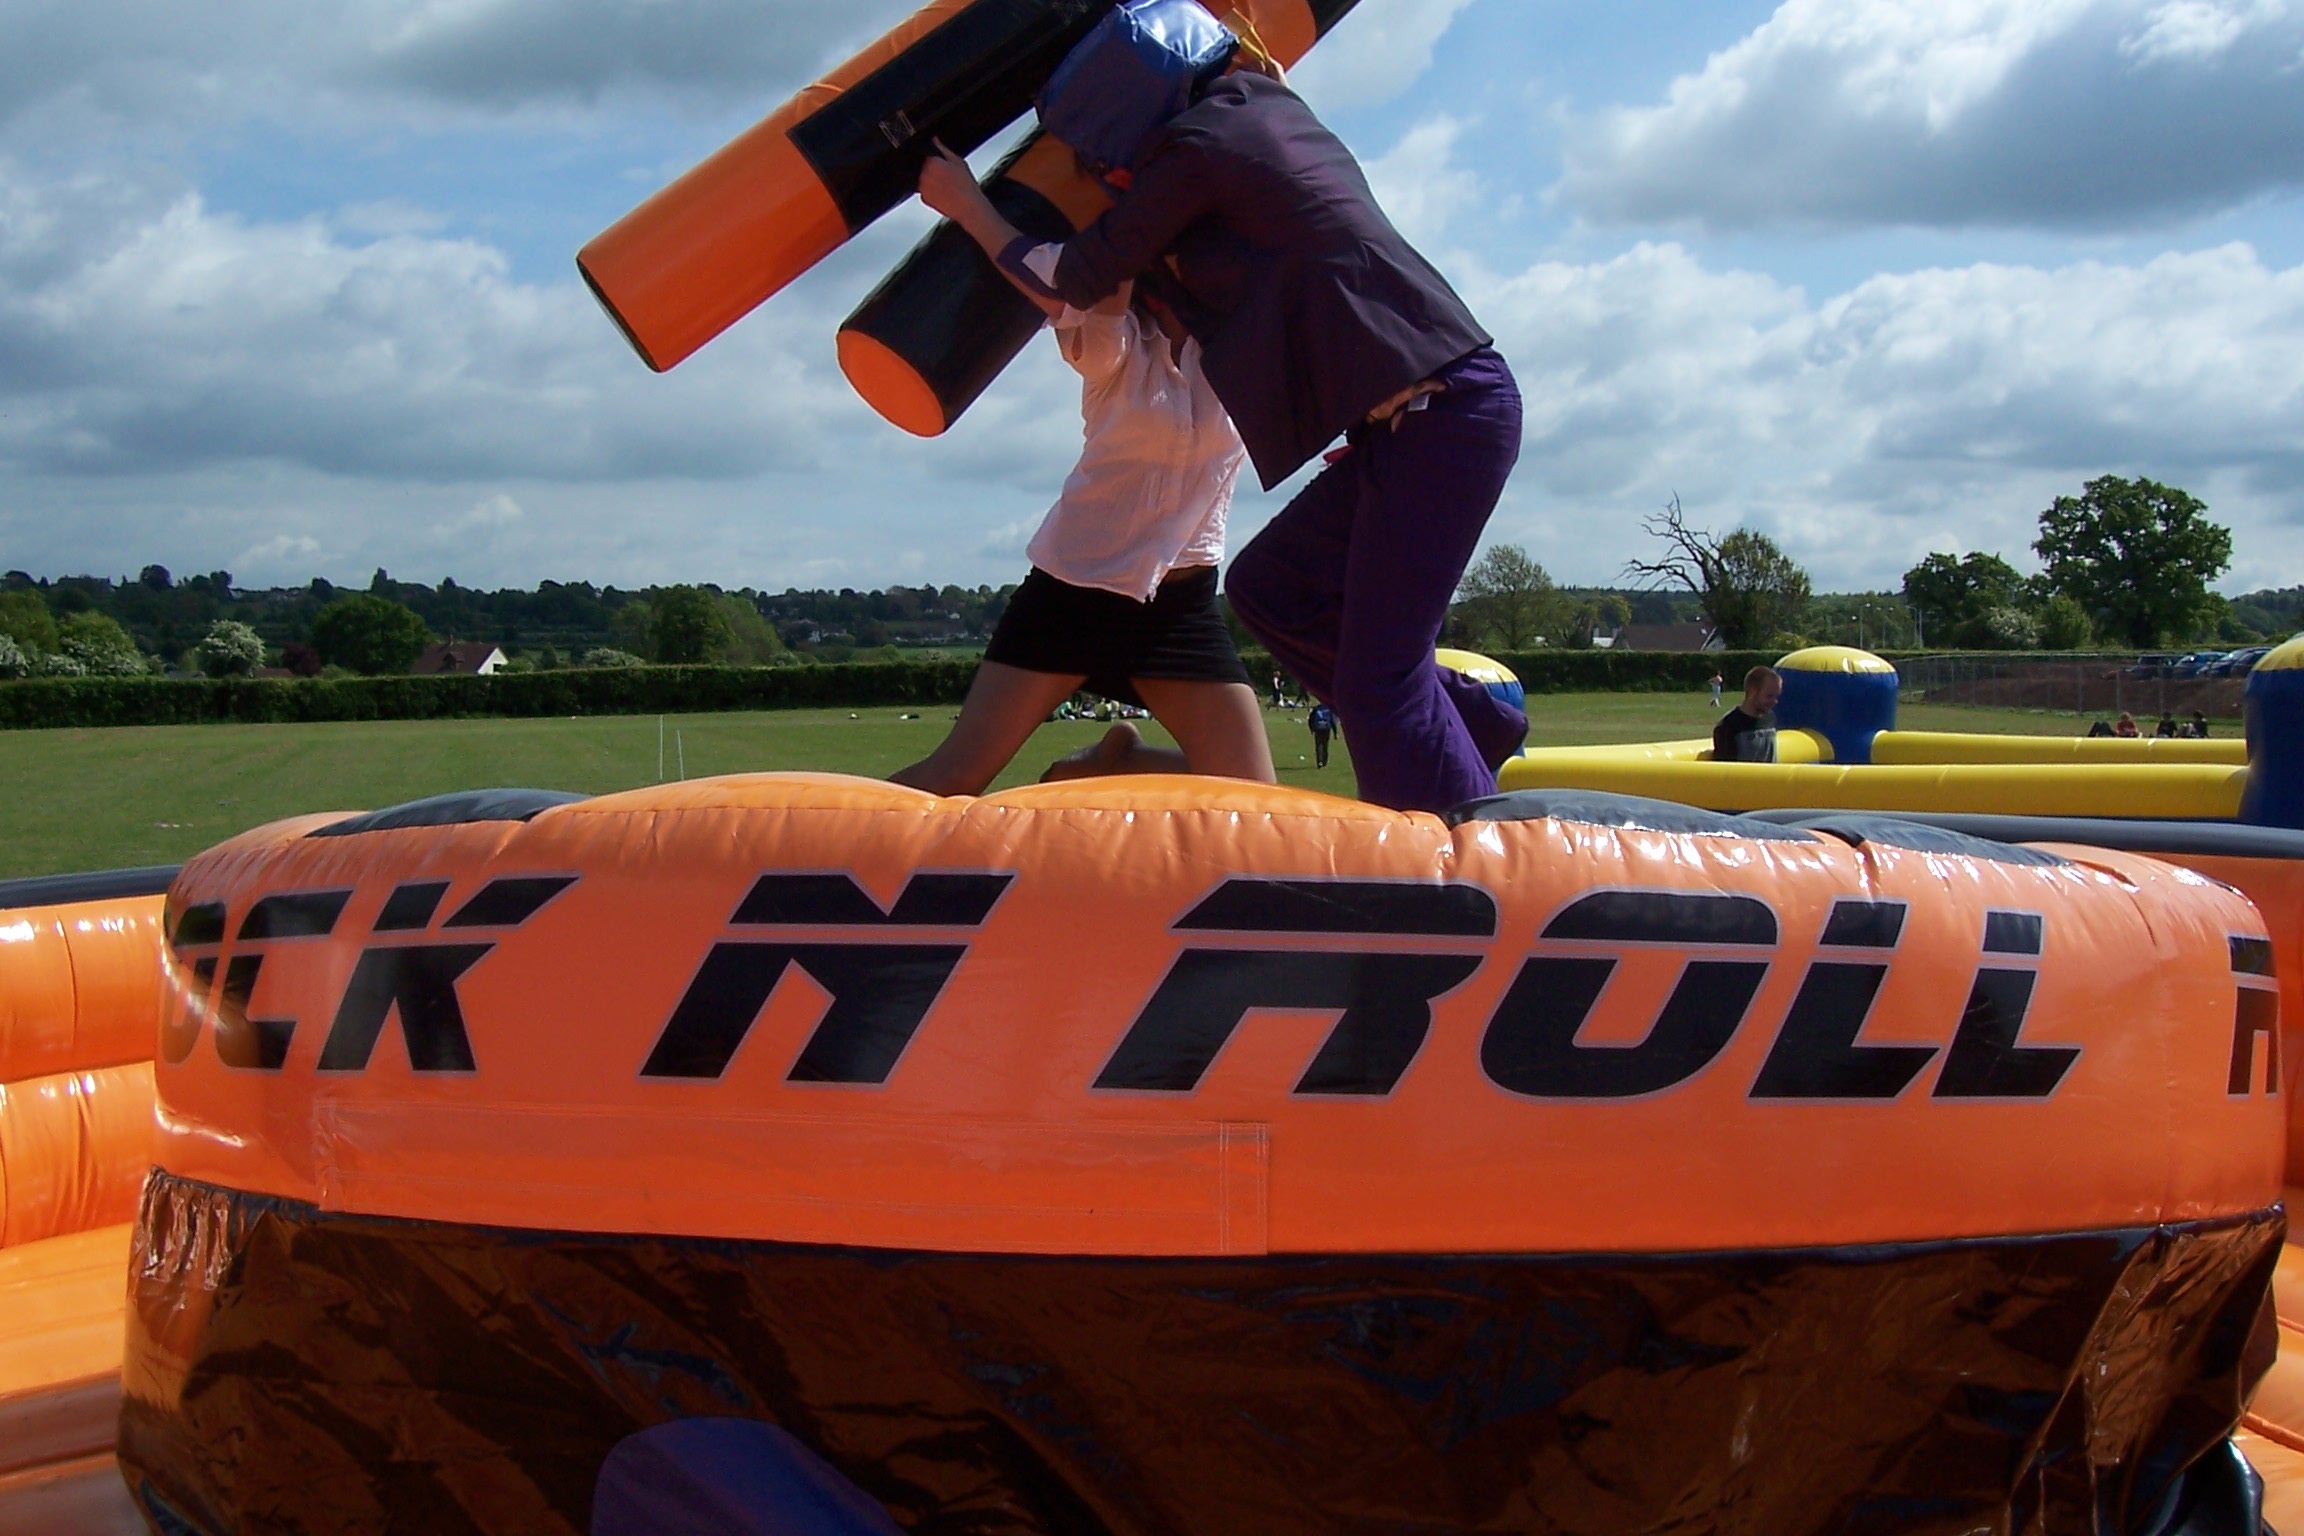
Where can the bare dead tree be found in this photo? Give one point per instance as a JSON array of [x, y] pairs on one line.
[[1748, 588]]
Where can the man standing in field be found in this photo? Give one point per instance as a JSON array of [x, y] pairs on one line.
[[1747, 733]]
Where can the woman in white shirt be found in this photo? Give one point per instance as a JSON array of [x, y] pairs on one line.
[[1121, 598]]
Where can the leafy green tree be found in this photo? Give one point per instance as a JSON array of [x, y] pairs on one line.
[[13, 662], [628, 628], [752, 640], [2065, 625], [230, 649], [2137, 555], [1953, 593], [686, 626], [99, 644], [1748, 588], [25, 619], [1507, 601], [369, 634]]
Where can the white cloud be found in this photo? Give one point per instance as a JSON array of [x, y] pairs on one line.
[[2197, 29], [1418, 184], [508, 52], [1930, 410], [1961, 112], [282, 551], [1379, 50], [164, 337], [82, 73]]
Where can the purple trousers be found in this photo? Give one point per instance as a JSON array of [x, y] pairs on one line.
[[1350, 585]]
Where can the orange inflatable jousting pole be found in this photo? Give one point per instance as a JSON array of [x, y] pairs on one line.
[[706, 250], [940, 328], [702, 253]]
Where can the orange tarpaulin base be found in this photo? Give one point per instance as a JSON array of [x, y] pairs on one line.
[[317, 1372]]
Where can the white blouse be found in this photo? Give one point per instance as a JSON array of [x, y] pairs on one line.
[[1156, 470]]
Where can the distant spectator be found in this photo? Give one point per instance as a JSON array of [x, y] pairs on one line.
[[2127, 725], [2199, 725], [1717, 680], [2100, 728], [2167, 726], [1323, 723], [1747, 733]]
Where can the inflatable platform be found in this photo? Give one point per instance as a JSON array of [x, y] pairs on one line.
[[79, 1001], [1837, 747], [1155, 1156]]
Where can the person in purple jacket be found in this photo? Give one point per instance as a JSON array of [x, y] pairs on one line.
[[1315, 319]]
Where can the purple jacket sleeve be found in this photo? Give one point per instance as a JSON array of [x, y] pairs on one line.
[[1015, 259], [1176, 186]]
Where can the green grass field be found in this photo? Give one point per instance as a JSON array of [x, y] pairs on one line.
[[102, 799]]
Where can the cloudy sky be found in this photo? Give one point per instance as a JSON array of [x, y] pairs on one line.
[[286, 286]]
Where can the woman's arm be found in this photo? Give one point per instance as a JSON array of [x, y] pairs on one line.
[[948, 187]]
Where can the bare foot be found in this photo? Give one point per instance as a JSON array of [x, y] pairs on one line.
[[1110, 754]]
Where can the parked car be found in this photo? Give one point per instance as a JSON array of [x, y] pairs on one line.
[[2238, 664], [2193, 663], [2149, 666]]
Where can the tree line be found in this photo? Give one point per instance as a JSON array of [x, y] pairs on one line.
[[76, 625], [2125, 564]]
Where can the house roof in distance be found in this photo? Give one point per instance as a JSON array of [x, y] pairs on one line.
[[459, 656]]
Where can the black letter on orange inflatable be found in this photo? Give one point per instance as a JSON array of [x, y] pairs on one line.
[[880, 993], [2256, 1013], [1386, 1001], [182, 1030], [1816, 1055], [257, 1044], [1985, 1061], [1530, 1046], [835, 900], [419, 983]]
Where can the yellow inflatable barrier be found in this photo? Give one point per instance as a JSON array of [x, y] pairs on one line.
[[2181, 791], [1892, 747]]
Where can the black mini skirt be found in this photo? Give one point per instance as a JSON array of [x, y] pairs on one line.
[[1053, 626]]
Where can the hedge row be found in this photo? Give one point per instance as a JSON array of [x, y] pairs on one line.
[[37, 703], [1631, 671]]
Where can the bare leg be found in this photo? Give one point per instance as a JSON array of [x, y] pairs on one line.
[[1005, 706], [1219, 725]]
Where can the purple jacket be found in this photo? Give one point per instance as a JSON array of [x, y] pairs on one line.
[[1310, 309]]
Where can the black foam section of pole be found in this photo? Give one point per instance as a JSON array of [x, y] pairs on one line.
[[1326, 13], [946, 309], [965, 81]]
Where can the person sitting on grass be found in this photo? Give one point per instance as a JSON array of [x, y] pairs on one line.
[[1747, 733], [1121, 597]]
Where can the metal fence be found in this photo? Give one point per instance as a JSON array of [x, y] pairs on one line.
[[2070, 684]]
